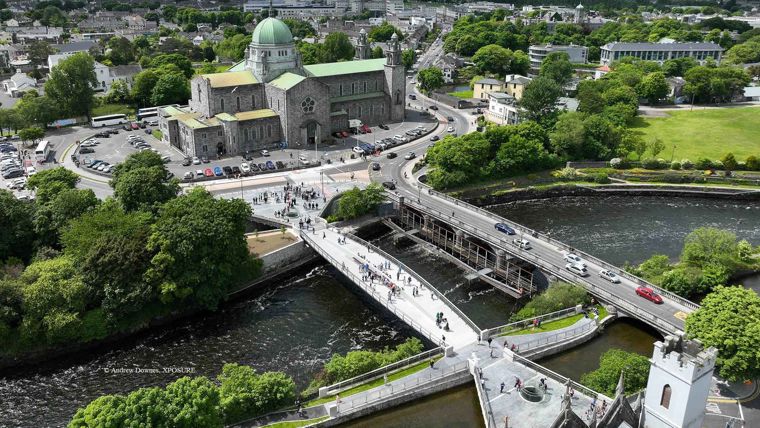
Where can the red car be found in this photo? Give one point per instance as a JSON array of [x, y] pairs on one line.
[[135, 126], [344, 134], [649, 294], [366, 129], [208, 172]]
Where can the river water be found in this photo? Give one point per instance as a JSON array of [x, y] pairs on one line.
[[299, 322]]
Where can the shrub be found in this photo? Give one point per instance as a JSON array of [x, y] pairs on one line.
[[729, 161], [703, 163], [557, 297], [718, 165], [752, 164], [671, 177], [686, 164], [356, 363], [650, 163], [618, 163], [601, 178], [566, 174], [675, 165], [605, 378]]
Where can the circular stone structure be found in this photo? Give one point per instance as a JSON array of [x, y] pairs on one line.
[[532, 394]]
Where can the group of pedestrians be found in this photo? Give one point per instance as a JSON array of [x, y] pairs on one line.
[[441, 321]]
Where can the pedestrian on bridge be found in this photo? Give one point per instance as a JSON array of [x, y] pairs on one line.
[[489, 342], [501, 391]]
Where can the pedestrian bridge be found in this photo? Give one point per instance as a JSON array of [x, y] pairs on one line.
[[458, 227]]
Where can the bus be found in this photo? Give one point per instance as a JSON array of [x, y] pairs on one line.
[[109, 120], [147, 113], [42, 151]]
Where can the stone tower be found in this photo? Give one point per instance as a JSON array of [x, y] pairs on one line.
[[678, 384], [579, 15], [394, 78], [272, 50], [363, 50]]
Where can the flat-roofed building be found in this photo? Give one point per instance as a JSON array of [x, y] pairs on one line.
[[661, 52], [537, 53]]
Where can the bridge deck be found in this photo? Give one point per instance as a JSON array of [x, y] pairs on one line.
[[417, 311]]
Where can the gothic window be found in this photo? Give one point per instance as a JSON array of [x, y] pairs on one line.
[[365, 86], [204, 148], [221, 104], [341, 89], [269, 131], [203, 135], [261, 132], [665, 399], [360, 111], [376, 85], [253, 102], [219, 133], [353, 88], [237, 99], [398, 96], [199, 89], [307, 105], [278, 104]]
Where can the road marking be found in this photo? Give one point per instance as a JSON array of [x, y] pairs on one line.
[[681, 315]]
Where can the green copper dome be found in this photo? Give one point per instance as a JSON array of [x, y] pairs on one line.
[[272, 31]]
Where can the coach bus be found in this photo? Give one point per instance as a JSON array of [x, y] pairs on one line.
[[109, 120], [42, 150]]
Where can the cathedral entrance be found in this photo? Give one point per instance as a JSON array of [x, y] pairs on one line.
[[310, 131], [220, 148]]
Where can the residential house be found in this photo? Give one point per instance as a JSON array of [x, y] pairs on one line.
[[483, 87], [17, 84], [515, 85], [502, 109], [752, 93]]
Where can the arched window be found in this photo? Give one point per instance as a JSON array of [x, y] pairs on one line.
[[665, 399], [221, 103], [253, 102], [238, 103]]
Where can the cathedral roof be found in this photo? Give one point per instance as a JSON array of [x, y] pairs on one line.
[[231, 78], [287, 80], [272, 31], [346, 67]]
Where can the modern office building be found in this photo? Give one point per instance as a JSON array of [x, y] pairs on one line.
[[660, 52], [537, 54]]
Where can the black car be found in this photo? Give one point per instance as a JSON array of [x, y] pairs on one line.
[[236, 170], [13, 173], [412, 97], [262, 166], [435, 138], [392, 155], [389, 185], [227, 170], [103, 134], [148, 131], [279, 165], [255, 168], [126, 127], [187, 162], [85, 150], [248, 157], [113, 131], [450, 118], [375, 166], [384, 126], [433, 107]]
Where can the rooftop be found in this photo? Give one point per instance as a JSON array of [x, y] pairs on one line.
[[272, 31], [646, 46], [357, 97], [287, 80], [346, 67], [256, 114], [488, 82], [230, 78]]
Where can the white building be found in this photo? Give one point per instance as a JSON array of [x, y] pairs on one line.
[[502, 109], [537, 54], [105, 75], [661, 52], [17, 84], [679, 383]]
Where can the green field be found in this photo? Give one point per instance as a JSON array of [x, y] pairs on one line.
[[113, 109], [462, 94], [704, 133]]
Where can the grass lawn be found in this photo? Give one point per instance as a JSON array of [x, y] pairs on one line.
[[113, 109], [461, 94], [219, 68], [157, 134], [297, 424], [556, 324], [373, 384], [267, 242], [707, 133]]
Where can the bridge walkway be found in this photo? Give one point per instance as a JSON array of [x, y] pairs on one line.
[[419, 310]]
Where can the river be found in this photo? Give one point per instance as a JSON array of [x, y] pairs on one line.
[[299, 322]]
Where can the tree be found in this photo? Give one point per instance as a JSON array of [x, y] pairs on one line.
[[49, 182], [639, 147], [142, 88], [557, 66], [493, 59], [407, 57], [383, 32], [729, 162], [141, 182], [38, 52], [709, 245], [300, 28], [729, 320], [71, 84], [539, 100], [200, 248], [635, 370], [245, 394], [33, 133], [429, 79], [457, 160], [16, 229], [170, 88], [207, 68], [234, 48], [355, 202], [337, 47], [656, 146], [179, 60], [120, 51], [377, 52], [119, 93], [35, 110], [653, 87], [54, 215]]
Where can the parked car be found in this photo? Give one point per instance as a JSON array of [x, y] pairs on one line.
[[196, 160], [389, 185], [236, 170], [609, 276], [523, 244], [218, 171], [412, 97], [279, 165], [247, 157], [383, 126], [113, 131], [255, 168], [134, 126], [270, 165], [410, 156], [209, 173], [148, 131], [450, 129], [574, 258], [649, 294], [201, 173], [227, 170], [13, 173], [358, 150], [245, 168], [187, 162], [85, 150], [502, 227], [204, 159], [126, 127], [262, 166], [375, 166], [450, 118], [189, 175], [433, 107], [577, 269], [265, 153], [166, 159]]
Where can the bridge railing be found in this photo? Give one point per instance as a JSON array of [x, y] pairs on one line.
[[419, 381], [549, 267], [422, 281], [557, 337], [559, 378], [519, 325], [526, 230], [377, 373], [341, 266], [485, 404]]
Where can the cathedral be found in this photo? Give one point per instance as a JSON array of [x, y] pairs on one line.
[[271, 100]]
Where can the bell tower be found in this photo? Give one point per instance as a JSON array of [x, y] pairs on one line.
[[362, 46], [394, 80]]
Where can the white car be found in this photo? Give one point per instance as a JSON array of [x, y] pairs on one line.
[[522, 243], [30, 170], [450, 129], [577, 269], [245, 167], [196, 160], [265, 153], [358, 150], [609, 276], [574, 258], [400, 138]]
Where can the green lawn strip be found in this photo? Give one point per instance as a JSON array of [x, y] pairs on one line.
[[375, 383], [707, 133], [555, 324], [107, 109], [462, 94], [296, 424], [157, 134]]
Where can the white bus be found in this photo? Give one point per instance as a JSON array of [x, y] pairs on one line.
[[110, 120], [42, 150], [147, 113]]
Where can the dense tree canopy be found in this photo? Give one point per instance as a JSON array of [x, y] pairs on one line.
[[557, 66], [429, 79], [539, 100], [71, 84], [16, 229], [500, 61], [383, 32], [355, 202], [605, 379]]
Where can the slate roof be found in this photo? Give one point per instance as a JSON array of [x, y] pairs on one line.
[[287, 80], [346, 67], [231, 78]]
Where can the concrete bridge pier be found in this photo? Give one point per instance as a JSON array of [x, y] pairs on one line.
[[501, 260], [458, 237]]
